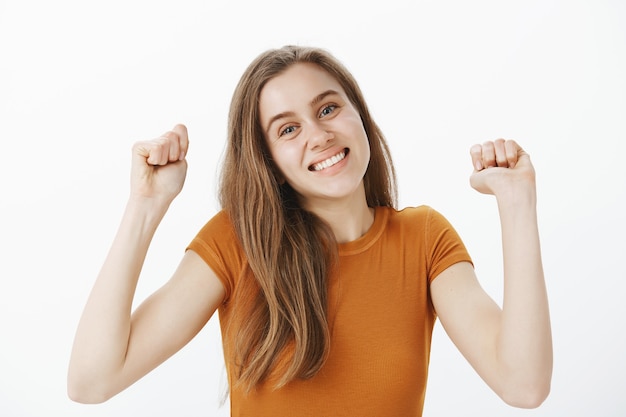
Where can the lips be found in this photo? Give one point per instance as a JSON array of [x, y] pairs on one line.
[[329, 162]]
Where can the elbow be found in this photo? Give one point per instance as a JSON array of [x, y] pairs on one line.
[[527, 387], [83, 391], [85, 396], [528, 396]]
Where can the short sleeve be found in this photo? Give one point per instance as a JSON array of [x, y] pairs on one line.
[[444, 245], [217, 244]]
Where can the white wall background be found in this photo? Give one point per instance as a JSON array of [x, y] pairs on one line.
[[81, 81]]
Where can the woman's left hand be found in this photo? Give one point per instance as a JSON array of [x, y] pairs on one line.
[[501, 167]]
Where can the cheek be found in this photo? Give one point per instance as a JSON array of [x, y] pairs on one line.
[[365, 139], [285, 157]]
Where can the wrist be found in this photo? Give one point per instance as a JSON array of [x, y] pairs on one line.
[[516, 197], [517, 206], [146, 211]]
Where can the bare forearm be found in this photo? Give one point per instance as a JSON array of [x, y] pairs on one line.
[[103, 332], [524, 342]]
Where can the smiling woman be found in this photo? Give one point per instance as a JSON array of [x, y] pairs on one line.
[[311, 126], [327, 293]]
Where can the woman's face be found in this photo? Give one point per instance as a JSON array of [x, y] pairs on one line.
[[315, 135]]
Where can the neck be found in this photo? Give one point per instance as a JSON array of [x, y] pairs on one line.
[[349, 219]]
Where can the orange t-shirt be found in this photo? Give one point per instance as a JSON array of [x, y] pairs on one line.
[[379, 312]]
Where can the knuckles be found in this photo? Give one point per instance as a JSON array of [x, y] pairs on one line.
[[159, 151], [496, 153]]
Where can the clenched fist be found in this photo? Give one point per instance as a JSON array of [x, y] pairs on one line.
[[502, 168], [159, 166]]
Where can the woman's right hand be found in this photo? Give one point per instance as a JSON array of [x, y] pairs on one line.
[[159, 166], [115, 346]]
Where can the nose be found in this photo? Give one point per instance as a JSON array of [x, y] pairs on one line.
[[319, 136]]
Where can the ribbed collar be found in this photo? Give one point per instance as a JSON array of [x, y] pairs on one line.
[[381, 215]]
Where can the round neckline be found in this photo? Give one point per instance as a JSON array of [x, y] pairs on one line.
[[381, 214]]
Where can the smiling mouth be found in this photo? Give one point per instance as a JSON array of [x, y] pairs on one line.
[[327, 163]]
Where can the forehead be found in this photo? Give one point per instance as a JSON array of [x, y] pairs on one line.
[[294, 88]]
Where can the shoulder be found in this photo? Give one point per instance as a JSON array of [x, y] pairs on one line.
[[421, 217], [220, 223], [217, 231], [218, 245], [428, 226], [412, 224]]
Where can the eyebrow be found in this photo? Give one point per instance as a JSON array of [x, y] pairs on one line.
[[322, 96], [313, 103]]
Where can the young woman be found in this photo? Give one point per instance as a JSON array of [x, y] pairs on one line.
[[327, 293]]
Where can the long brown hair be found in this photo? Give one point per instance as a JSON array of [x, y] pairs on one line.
[[290, 251]]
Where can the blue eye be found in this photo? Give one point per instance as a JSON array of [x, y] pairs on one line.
[[328, 110], [288, 130]]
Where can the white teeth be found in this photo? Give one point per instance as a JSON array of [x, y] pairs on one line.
[[329, 162]]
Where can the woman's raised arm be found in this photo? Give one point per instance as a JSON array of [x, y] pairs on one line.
[[510, 348], [112, 348]]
